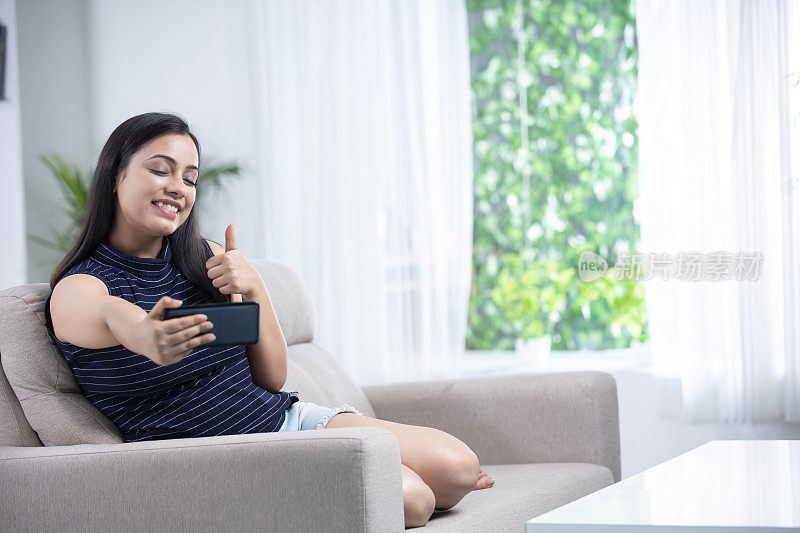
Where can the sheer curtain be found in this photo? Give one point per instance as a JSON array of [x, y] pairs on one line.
[[365, 150], [714, 132]]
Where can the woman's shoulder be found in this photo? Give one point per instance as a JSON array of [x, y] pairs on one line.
[[94, 268], [216, 248]]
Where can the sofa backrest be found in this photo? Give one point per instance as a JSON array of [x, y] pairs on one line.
[[41, 403]]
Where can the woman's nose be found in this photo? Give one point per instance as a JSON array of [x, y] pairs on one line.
[[177, 186]]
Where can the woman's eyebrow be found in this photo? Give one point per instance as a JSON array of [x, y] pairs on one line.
[[171, 160]]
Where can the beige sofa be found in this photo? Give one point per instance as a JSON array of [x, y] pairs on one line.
[[547, 439]]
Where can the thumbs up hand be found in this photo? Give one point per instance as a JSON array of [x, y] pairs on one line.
[[230, 238], [232, 274]]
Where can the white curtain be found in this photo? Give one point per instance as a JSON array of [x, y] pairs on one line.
[[365, 150], [715, 175]]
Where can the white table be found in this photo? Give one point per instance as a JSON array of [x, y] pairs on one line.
[[721, 486]]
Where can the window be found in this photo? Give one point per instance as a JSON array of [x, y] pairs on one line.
[[555, 172]]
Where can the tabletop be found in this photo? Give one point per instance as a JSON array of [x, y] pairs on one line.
[[739, 485]]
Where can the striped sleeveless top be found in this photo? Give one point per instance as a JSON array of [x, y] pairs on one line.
[[208, 392]]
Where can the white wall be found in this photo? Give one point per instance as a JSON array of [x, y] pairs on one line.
[[54, 113], [647, 439], [89, 65], [192, 59], [12, 216]]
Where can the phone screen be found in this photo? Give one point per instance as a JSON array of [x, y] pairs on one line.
[[233, 323]]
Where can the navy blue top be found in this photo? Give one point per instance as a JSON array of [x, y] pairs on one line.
[[208, 392]]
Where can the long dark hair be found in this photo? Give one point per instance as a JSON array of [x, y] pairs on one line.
[[189, 254]]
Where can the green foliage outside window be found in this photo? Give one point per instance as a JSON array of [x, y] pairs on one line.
[[579, 76]]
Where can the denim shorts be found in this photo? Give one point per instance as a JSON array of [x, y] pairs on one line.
[[308, 415]]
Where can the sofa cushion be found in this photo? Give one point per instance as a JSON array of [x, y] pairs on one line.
[[523, 491], [14, 427], [291, 299], [50, 397], [321, 379]]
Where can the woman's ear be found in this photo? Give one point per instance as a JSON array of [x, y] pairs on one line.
[[120, 177]]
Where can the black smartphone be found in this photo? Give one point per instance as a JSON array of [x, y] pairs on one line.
[[233, 322]]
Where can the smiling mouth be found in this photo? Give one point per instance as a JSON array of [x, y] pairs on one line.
[[167, 212]]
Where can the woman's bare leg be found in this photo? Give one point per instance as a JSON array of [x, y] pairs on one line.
[[447, 465]]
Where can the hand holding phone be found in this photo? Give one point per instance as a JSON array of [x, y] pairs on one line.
[[167, 342]]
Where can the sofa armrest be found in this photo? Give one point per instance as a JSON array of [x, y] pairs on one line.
[[512, 419], [337, 479]]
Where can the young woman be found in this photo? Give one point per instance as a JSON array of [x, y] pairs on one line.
[[140, 252]]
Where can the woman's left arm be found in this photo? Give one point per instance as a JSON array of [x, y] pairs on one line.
[[232, 274], [267, 357]]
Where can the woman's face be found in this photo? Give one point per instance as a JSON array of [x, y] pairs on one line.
[[162, 171]]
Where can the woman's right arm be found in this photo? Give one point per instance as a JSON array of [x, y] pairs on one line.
[[85, 314]]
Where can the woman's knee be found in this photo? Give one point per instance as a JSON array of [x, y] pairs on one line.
[[458, 465]]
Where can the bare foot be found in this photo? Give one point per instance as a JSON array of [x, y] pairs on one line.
[[485, 481]]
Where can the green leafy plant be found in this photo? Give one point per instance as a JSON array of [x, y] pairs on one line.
[[75, 188], [579, 77]]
